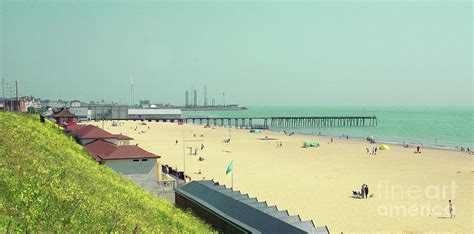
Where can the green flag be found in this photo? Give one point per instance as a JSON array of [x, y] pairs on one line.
[[230, 168]]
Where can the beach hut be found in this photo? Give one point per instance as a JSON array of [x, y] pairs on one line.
[[384, 147], [229, 211], [64, 115]]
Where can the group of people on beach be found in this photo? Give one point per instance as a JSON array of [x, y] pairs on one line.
[[467, 150], [374, 151], [364, 192]]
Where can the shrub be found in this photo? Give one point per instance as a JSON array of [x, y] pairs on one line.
[[48, 183]]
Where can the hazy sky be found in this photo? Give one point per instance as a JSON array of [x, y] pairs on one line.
[[259, 53]]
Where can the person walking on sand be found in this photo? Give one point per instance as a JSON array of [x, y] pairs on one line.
[[176, 142], [331, 140], [452, 210], [366, 191], [362, 191], [367, 148], [375, 151], [417, 151]]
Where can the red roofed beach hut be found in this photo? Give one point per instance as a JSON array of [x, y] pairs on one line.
[[64, 115], [90, 133]]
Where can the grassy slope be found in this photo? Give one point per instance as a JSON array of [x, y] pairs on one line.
[[48, 183]]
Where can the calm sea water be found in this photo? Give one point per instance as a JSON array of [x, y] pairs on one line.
[[449, 127]]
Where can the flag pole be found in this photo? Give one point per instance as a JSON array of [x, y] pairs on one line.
[[184, 159]]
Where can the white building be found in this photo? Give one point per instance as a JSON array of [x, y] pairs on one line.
[[154, 114], [75, 103], [108, 111], [83, 113], [130, 161]]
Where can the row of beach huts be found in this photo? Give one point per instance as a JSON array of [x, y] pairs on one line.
[[116, 152], [228, 211]]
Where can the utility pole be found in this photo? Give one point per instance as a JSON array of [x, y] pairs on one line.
[[3, 92], [184, 158], [17, 108], [9, 87]]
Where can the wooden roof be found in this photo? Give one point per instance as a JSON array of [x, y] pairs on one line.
[[103, 150], [64, 113], [93, 132]]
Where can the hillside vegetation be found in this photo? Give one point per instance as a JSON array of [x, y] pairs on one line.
[[48, 183]]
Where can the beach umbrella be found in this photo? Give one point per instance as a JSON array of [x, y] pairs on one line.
[[384, 147]]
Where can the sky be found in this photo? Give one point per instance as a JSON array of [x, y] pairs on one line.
[[260, 53]]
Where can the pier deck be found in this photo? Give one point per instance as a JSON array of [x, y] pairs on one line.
[[273, 122], [286, 122]]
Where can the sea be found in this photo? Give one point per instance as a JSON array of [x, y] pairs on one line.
[[439, 127]]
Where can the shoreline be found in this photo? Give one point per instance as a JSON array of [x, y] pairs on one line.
[[356, 139]]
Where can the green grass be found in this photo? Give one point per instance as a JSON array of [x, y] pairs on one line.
[[48, 183]]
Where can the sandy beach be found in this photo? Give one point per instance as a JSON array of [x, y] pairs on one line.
[[410, 191]]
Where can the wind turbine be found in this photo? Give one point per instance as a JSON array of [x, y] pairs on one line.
[[132, 90]]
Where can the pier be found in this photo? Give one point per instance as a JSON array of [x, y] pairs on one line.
[[269, 122], [285, 122]]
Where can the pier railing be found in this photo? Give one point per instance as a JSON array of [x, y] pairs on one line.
[[286, 122], [273, 122]]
